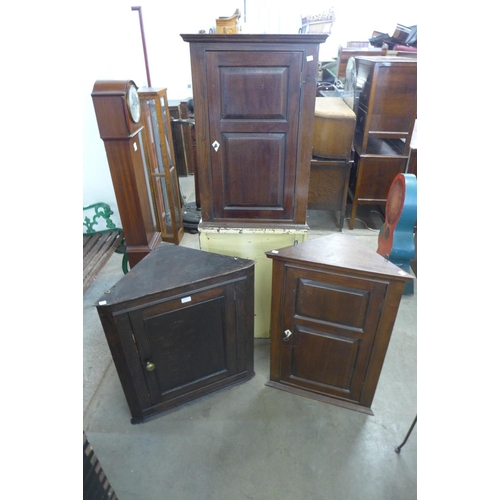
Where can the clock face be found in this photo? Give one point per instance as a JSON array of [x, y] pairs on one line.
[[133, 103]]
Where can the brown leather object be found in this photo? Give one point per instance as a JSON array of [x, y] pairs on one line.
[[333, 130]]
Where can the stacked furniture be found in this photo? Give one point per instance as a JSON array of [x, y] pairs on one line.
[[386, 110], [254, 98], [345, 53], [333, 133]]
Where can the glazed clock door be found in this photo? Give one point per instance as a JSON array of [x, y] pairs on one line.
[[161, 164], [330, 322], [253, 118]]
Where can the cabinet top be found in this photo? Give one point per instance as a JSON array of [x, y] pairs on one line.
[[256, 38], [169, 267], [386, 60], [340, 251]]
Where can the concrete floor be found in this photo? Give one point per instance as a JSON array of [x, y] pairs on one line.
[[251, 441]]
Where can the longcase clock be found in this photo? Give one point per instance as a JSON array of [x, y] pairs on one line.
[[118, 113]]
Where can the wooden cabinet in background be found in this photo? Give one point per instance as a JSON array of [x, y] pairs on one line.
[[179, 326], [387, 104], [334, 305], [254, 98], [386, 110]]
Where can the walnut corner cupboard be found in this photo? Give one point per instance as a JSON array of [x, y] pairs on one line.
[[334, 305], [179, 325], [254, 98]]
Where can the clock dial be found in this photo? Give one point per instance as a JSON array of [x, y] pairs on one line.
[[133, 103]]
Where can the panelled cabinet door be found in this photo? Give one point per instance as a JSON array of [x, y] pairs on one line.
[[333, 320], [254, 115], [186, 343]]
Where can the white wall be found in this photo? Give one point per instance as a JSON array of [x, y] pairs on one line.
[[113, 50]]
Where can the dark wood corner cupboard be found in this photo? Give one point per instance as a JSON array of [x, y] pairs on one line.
[[334, 305], [180, 325], [254, 98]]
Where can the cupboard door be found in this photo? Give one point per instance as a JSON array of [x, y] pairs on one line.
[[333, 321], [186, 343], [253, 107]]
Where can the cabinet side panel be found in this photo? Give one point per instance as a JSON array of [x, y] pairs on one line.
[[384, 332], [244, 311], [200, 100], [375, 176], [394, 103], [276, 328], [120, 338], [304, 131]]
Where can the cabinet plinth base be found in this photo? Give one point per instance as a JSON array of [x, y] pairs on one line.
[[163, 409], [320, 397]]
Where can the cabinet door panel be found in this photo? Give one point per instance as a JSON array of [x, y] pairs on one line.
[[254, 112], [333, 320], [190, 340], [340, 351], [249, 183]]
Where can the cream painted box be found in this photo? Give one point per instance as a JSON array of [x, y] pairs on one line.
[[253, 244]]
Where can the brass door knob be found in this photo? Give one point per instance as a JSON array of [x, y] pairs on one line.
[[150, 366]]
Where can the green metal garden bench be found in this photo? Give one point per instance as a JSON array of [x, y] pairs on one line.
[[101, 238]]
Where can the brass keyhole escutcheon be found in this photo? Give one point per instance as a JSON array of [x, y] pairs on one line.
[[150, 366]]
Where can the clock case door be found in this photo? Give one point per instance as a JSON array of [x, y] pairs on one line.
[[160, 157]]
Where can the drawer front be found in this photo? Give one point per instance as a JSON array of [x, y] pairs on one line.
[[332, 322], [375, 176]]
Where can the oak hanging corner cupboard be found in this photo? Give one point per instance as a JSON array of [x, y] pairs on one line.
[[254, 99]]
